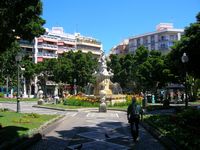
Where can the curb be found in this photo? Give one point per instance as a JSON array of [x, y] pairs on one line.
[[61, 109], [48, 126]]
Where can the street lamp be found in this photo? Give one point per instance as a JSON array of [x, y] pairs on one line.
[[18, 58], [75, 92], [184, 60]]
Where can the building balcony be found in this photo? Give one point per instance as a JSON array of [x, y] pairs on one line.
[[47, 55], [88, 44], [48, 46], [65, 49], [69, 42], [26, 44]]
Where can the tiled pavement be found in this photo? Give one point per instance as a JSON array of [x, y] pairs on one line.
[[91, 130]]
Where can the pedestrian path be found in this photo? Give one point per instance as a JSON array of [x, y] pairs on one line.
[[92, 130]]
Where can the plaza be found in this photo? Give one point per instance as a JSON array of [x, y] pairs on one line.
[[66, 84], [88, 127]]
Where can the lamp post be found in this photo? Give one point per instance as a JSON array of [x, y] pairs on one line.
[[75, 92], [18, 58], [184, 60]]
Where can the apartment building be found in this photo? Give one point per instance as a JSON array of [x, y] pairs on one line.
[[88, 44], [122, 48], [162, 39], [55, 42]]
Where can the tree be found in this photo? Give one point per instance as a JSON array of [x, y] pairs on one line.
[[7, 64], [65, 69], [20, 18], [29, 72], [140, 57], [152, 73], [116, 67], [144, 71], [84, 66], [189, 44]]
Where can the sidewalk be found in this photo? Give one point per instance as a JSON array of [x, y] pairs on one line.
[[91, 130]]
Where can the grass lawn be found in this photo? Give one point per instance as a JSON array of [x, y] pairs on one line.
[[118, 107], [18, 124], [196, 102]]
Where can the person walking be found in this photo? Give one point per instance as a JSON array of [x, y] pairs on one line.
[[133, 116]]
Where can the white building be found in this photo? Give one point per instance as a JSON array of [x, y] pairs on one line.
[[55, 42], [122, 48], [162, 39]]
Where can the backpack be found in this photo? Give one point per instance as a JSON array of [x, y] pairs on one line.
[[137, 109], [135, 113]]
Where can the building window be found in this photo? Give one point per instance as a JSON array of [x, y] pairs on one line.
[[152, 39], [138, 42], [172, 37]]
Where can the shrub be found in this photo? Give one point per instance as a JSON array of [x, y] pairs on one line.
[[121, 104], [75, 102], [21, 120], [1, 95], [183, 127], [139, 99], [189, 117], [33, 115], [4, 109]]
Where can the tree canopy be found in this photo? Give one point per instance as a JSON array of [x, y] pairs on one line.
[[145, 70], [188, 44], [20, 19], [72, 65]]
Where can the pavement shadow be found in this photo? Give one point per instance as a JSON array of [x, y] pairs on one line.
[[107, 133]]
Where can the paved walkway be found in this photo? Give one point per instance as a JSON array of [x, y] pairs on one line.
[[26, 107], [91, 130]]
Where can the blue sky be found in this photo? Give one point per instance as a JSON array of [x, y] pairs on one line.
[[111, 21]]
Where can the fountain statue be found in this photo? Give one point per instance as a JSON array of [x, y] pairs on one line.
[[104, 89], [40, 94]]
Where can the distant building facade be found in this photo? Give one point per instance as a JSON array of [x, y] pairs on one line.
[[52, 45], [55, 42], [120, 49], [162, 39]]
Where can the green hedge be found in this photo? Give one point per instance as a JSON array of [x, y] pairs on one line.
[[183, 127], [75, 102], [1, 95]]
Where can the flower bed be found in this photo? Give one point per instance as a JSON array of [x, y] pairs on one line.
[[81, 101]]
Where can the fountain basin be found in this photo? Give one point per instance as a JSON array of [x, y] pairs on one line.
[[110, 99]]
